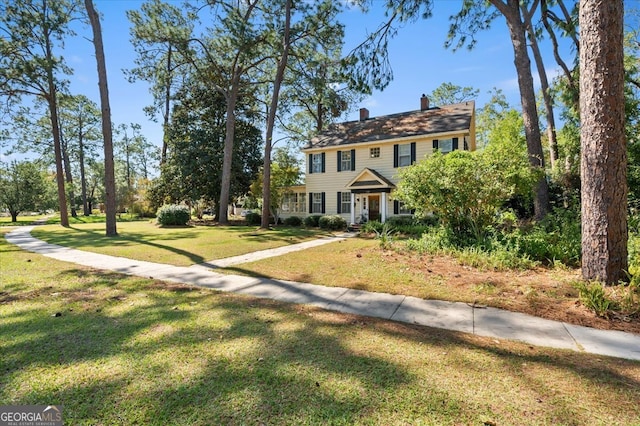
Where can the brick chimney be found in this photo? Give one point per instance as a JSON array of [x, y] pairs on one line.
[[424, 102], [364, 114]]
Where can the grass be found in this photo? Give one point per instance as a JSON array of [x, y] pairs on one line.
[[358, 263], [21, 220], [181, 246], [125, 350]]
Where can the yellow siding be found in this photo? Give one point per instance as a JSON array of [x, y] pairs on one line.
[[331, 182]]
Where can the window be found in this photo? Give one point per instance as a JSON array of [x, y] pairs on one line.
[[346, 160], [317, 202], [446, 145], [400, 208], [404, 155], [344, 202], [374, 152], [294, 202], [317, 163]]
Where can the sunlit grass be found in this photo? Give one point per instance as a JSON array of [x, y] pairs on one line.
[[125, 350], [21, 220], [144, 240]]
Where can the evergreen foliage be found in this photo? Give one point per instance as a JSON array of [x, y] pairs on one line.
[[173, 215]]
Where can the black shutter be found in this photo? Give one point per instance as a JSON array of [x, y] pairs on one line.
[[339, 202], [353, 159], [413, 152], [323, 200], [339, 161], [396, 207], [454, 144], [310, 202], [310, 163], [395, 156], [323, 157], [435, 144]]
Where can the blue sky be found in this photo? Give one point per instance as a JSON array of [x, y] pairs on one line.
[[420, 62]]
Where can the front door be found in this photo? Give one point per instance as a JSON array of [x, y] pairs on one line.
[[374, 207]]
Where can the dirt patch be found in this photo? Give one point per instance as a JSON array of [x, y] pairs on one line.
[[542, 292]]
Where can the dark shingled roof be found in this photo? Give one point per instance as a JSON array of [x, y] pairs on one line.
[[447, 118]]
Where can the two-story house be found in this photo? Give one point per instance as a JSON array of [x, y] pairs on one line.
[[352, 167]]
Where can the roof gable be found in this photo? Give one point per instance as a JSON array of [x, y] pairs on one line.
[[369, 178]]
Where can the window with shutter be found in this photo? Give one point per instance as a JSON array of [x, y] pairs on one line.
[[404, 155], [317, 163], [316, 202]]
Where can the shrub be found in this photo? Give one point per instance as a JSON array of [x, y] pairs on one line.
[[410, 226], [173, 215], [293, 221], [332, 223], [253, 218], [555, 239], [142, 210], [371, 227], [436, 240], [312, 221], [400, 221]]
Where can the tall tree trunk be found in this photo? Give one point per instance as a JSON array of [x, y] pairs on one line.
[[83, 177], [109, 173], [603, 164], [511, 12], [55, 127], [165, 116], [68, 175], [227, 153], [271, 119], [544, 86]]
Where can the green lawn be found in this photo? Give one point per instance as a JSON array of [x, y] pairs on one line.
[[125, 350], [143, 240], [20, 221]]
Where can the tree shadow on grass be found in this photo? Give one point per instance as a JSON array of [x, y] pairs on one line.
[[149, 352], [98, 239]]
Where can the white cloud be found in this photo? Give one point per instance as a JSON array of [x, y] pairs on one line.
[[508, 86], [371, 103]]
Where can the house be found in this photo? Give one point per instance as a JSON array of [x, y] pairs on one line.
[[352, 168]]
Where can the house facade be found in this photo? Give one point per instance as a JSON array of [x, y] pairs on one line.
[[352, 168]]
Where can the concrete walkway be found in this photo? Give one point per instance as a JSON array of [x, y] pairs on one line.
[[463, 317]]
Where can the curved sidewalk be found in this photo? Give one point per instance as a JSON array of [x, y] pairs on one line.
[[483, 321]]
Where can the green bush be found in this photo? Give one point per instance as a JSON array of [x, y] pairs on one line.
[[253, 218], [142, 210], [371, 227], [555, 239], [332, 223], [173, 215], [293, 221], [435, 240], [312, 221]]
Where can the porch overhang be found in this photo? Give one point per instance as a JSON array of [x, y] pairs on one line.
[[370, 181]]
